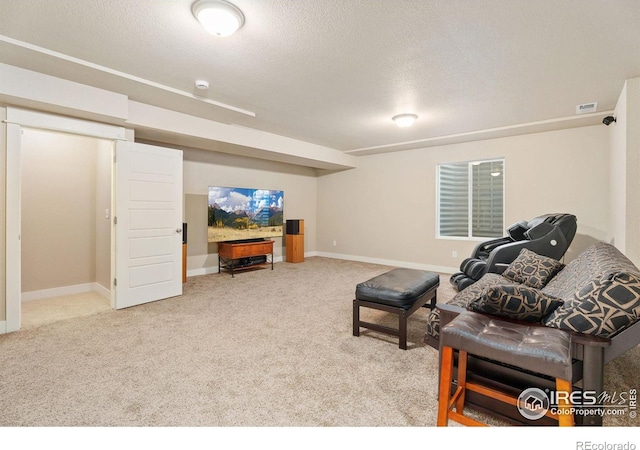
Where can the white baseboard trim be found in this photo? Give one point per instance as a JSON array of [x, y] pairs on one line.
[[389, 262], [382, 262], [3, 327], [202, 271], [66, 290], [103, 291]]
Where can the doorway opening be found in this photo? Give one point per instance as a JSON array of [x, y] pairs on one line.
[[66, 203], [146, 206]]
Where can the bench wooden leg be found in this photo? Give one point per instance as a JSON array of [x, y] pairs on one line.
[[565, 417], [462, 380], [356, 318], [402, 332], [446, 376], [447, 401]]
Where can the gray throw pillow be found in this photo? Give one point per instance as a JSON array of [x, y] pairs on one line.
[[532, 269], [515, 302], [602, 307]]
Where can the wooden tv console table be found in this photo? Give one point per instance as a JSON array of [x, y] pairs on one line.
[[238, 255]]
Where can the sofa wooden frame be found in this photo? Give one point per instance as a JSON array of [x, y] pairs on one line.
[[589, 353]]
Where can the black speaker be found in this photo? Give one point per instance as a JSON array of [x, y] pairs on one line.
[[295, 226], [184, 233]]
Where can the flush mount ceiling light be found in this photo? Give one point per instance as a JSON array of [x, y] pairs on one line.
[[218, 17], [404, 120]]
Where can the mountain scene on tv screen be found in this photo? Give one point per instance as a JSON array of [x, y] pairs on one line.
[[239, 213]]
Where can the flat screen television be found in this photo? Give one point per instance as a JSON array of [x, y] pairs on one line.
[[237, 214]]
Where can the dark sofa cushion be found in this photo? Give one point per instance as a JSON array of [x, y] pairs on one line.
[[602, 307], [400, 287], [515, 302], [464, 297], [532, 269]]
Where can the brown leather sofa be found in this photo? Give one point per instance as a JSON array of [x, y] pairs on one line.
[[600, 309]]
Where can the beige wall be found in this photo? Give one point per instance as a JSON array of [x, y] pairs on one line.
[[60, 211], [633, 169], [386, 208], [625, 166], [205, 168], [3, 210], [556, 171], [618, 175], [104, 164]]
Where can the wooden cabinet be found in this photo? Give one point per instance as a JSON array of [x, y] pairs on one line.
[[295, 248], [295, 241], [233, 256]]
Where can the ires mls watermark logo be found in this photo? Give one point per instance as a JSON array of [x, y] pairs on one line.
[[535, 403]]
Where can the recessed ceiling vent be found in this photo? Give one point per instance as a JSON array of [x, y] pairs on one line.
[[587, 108]]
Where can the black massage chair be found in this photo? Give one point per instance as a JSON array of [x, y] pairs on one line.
[[549, 235]]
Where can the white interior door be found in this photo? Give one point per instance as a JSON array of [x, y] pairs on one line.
[[148, 229]]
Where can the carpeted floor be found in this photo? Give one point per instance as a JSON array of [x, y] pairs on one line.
[[36, 313], [264, 349]]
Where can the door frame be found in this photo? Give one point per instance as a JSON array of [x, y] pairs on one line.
[[16, 120]]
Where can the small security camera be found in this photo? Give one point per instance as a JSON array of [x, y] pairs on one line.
[[607, 120]]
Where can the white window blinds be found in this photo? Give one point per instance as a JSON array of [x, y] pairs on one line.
[[471, 199]]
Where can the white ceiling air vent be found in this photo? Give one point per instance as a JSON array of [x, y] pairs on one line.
[[587, 108]]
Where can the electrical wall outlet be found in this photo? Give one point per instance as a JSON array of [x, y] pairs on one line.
[[335, 243], [454, 254]]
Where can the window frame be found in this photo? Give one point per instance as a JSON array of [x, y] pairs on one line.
[[469, 164]]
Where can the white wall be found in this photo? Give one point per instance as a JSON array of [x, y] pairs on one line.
[[205, 168], [385, 209]]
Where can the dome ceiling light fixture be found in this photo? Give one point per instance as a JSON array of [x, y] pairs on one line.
[[404, 120], [218, 17], [495, 170]]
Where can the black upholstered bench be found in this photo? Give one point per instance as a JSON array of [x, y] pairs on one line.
[[399, 291]]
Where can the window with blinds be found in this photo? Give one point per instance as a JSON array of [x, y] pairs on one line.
[[471, 199]]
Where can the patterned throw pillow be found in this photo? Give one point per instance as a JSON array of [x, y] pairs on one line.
[[515, 302], [532, 269], [602, 307]]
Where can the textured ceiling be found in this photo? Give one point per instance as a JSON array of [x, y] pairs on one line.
[[334, 72]]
